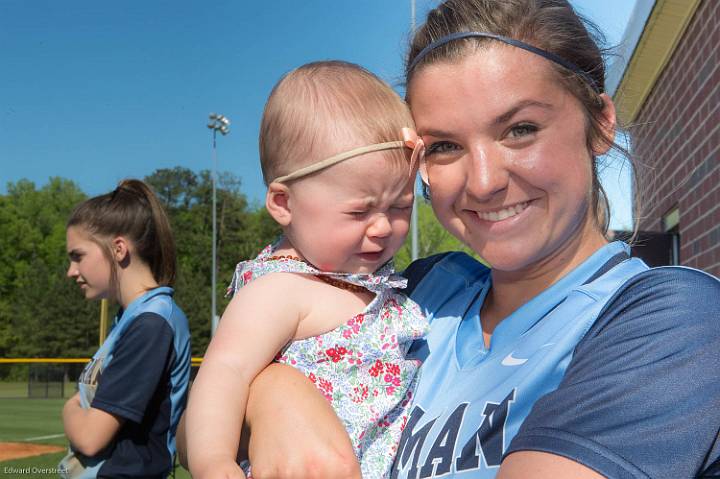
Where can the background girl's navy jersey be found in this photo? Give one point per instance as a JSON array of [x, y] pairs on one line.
[[140, 374]]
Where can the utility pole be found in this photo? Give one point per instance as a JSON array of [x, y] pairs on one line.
[[221, 124]]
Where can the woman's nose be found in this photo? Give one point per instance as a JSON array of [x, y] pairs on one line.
[[71, 271], [487, 173], [380, 226]]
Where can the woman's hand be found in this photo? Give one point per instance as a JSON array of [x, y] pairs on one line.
[[294, 432], [221, 469]]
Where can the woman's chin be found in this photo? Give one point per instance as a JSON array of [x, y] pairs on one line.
[[91, 295], [509, 256]]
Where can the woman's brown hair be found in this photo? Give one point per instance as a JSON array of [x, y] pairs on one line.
[[131, 210]]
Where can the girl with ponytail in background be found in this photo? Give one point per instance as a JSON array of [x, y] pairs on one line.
[[122, 421]]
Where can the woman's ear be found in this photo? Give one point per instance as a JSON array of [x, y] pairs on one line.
[[277, 202], [608, 123], [120, 249]]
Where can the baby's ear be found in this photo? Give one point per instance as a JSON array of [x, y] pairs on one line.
[[277, 202]]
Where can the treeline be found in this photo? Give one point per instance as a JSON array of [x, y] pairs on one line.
[[43, 314]]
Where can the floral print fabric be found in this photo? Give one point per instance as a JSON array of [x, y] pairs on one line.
[[360, 366]]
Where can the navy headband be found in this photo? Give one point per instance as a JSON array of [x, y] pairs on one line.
[[510, 41]]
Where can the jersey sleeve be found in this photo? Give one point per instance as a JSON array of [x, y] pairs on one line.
[[139, 364], [641, 396]]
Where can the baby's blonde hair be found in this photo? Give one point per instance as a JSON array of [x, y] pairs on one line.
[[314, 109]]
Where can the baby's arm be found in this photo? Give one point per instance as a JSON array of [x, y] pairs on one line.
[[261, 318]]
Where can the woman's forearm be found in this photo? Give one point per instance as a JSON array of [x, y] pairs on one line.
[[294, 429], [88, 430]]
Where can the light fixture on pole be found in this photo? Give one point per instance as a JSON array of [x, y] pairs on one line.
[[221, 124]]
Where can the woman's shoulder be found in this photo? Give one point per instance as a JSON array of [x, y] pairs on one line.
[[667, 298], [454, 263], [653, 347], [681, 275], [671, 286], [160, 301]]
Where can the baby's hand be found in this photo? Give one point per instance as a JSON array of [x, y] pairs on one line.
[[221, 470]]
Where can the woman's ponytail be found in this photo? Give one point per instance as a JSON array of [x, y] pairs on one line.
[[134, 211]]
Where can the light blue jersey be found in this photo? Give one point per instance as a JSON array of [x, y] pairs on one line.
[[472, 400]]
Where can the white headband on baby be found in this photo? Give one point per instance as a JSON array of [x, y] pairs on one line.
[[410, 140]]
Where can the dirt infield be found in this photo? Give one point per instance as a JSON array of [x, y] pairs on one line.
[[18, 450]]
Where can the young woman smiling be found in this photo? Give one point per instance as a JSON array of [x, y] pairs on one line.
[[566, 358]]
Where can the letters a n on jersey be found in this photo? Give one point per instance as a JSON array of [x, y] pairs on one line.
[[484, 448]]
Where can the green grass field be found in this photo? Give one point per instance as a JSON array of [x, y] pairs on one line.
[[31, 420], [19, 389], [38, 421]]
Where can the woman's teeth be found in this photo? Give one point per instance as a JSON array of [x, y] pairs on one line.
[[504, 213]]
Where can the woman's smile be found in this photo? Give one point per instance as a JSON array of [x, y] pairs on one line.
[[503, 213], [501, 223]]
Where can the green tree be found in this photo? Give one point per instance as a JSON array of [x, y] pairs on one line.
[[42, 313], [39, 314]]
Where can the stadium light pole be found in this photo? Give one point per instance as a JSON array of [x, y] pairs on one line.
[[218, 123], [414, 215]]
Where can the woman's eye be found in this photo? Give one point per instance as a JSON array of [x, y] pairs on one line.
[[522, 129], [441, 147], [357, 214]]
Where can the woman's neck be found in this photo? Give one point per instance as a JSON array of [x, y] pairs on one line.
[[512, 289], [133, 283]]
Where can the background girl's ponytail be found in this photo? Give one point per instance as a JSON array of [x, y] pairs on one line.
[[131, 210]]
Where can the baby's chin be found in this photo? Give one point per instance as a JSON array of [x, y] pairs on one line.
[[355, 269], [370, 268], [363, 263]]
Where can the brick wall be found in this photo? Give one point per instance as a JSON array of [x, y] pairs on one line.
[[676, 140]]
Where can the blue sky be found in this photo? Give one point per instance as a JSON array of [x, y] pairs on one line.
[[100, 91]]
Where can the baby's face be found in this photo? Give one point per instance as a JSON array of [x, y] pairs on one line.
[[353, 216]]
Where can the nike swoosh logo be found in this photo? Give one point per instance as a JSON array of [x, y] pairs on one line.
[[509, 360]]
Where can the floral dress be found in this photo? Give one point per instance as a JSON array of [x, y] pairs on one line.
[[360, 366]]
